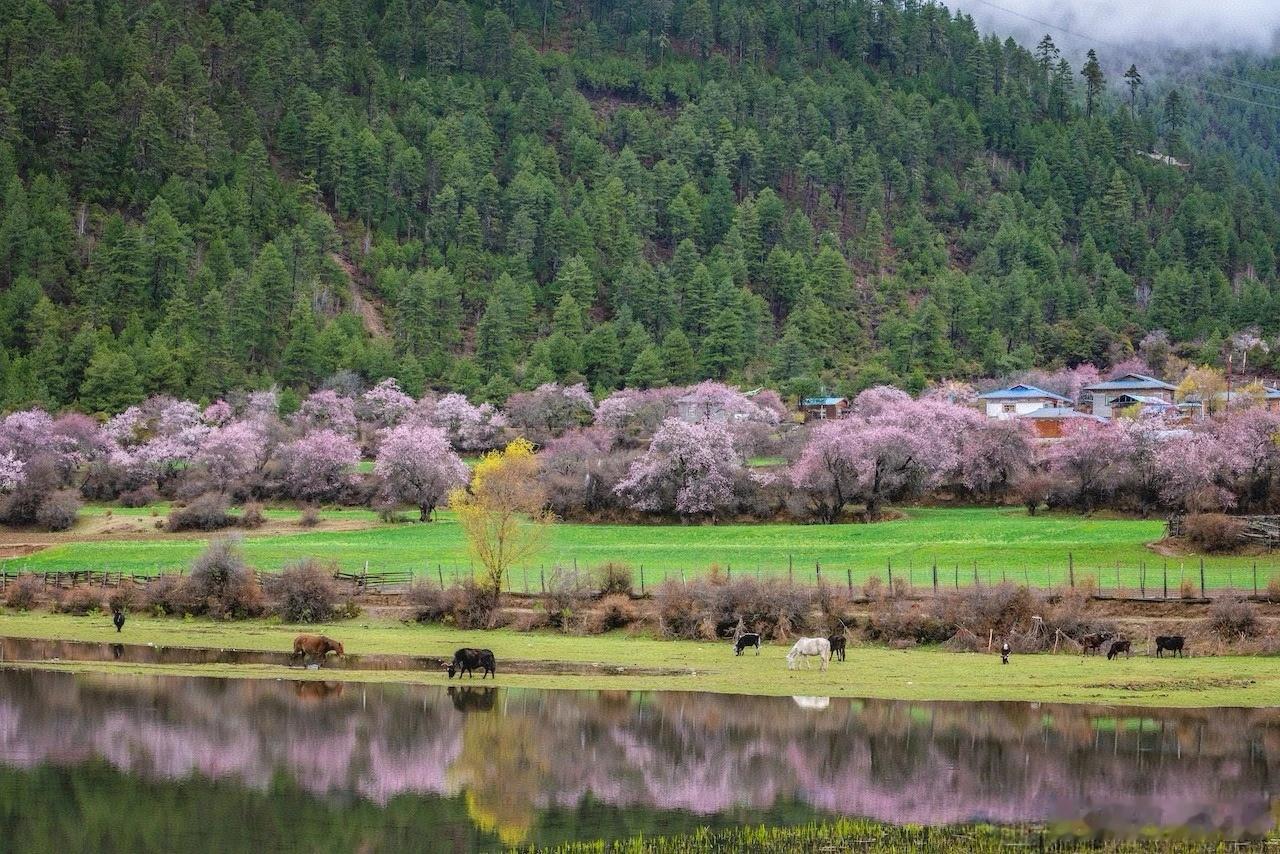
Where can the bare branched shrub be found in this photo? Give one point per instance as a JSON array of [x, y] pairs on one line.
[[125, 597], [1233, 618], [873, 587], [24, 592], [983, 610], [429, 602], [208, 512], [1033, 489], [677, 609], [1214, 532], [303, 592], [568, 592], [139, 497], [253, 516], [1273, 587], [615, 611], [614, 578], [221, 585], [905, 621], [58, 511], [475, 607], [707, 609], [80, 601], [310, 518], [167, 594], [1186, 589]]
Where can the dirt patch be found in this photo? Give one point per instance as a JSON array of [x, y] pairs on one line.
[[362, 302], [1201, 683]]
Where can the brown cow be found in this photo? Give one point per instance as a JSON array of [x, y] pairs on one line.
[[315, 646]]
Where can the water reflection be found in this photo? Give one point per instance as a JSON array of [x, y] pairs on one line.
[[507, 759]]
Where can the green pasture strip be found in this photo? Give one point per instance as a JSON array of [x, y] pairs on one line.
[[870, 671], [992, 544]]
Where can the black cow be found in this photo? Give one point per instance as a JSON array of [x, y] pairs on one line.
[[838, 643], [1005, 649], [1119, 646], [466, 660], [1176, 644], [745, 640], [473, 699], [1094, 641], [117, 618]]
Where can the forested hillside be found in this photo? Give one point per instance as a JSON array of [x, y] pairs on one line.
[[485, 197]]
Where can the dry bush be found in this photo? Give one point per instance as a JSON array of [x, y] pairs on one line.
[[1033, 489], [1214, 532], [58, 511], [891, 622], [140, 497], [568, 591], [528, 621], [1070, 616], [873, 587], [1232, 618], [208, 512], [677, 609], [125, 597], [1186, 589], [24, 592], [836, 605], [310, 518], [1273, 587], [303, 592], [221, 585], [984, 610], [167, 594], [80, 601], [430, 603], [710, 609], [1087, 584], [253, 516], [614, 578], [615, 611]]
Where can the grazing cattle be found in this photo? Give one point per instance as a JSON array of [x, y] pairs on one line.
[[743, 641], [466, 660], [808, 647], [1176, 644], [473, 699], [315, 646], [117, 619], [1004, 652], [1118, 646], [1094, 641], [838, 643]]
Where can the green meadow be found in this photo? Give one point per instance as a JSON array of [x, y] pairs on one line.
[[989, 544]]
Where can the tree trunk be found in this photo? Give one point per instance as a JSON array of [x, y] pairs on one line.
[[424, 512]]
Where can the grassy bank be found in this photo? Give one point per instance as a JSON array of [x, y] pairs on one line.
[[917, 674], [999, 541]]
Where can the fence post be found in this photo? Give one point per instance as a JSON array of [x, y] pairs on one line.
[[1142, 581], [817, 572], [790, 574], [957, 576], [1165, 575], [1117, 578], [1255, 578], [1071, 569], [848, 573], [440, 572], [641, 579], [728, 568], [1203, 595], [935, 578], [977, 582], [889, 562], [542, 577]]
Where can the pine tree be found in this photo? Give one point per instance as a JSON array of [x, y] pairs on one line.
[[1093, 81], [678, 360]]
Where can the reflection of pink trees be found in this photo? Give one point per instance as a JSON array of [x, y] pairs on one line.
[[705, 754]]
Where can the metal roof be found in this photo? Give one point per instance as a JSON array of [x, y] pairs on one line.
[[1131, 381], [1022, 391], [822, 401], [1060, 412], [1145, 399]]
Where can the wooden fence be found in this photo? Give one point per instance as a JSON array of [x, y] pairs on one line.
[[1260, 530]]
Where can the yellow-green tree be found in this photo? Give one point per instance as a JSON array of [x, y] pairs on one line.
[[503, 513]]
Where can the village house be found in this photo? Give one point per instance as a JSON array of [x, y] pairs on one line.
[[1143, 405], [1049, 422], [824, 408], [1107, 396], [1020, 400]]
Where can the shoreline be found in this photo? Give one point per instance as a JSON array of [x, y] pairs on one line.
[[621, 662]]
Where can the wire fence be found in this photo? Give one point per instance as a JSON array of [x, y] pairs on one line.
[[1173, 578]]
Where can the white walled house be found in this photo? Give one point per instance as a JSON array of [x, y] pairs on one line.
[[1019, 400], [1122, 391]]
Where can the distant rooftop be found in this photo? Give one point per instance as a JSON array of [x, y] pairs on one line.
[[1129, 382], [1061, 412], [1022, 391], [822, 401]]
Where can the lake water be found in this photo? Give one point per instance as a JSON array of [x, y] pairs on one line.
[[120, 763]]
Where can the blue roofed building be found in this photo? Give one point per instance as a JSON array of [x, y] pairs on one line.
[[1123, 391], [1019, 400], [824, 408]]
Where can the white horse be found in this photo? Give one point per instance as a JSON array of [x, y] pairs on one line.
[[804, 647]]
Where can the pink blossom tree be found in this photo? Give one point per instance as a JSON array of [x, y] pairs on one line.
[[327, 410], [689, 469], [385, 404], [232, 452], [218, 413], [417, 466], [1194, 472], [581, 469], [1251, 454], [12, 471], [1089, 461], [469, 427], [632, 416], [859, 460], [318, 465], [994, 454], [549, 410]]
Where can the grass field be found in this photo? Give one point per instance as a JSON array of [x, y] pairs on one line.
[[1002, 542], [916, 674]]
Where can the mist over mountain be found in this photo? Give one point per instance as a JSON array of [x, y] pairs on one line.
[[1233, 25]]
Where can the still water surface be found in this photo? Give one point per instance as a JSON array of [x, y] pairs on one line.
[[123, 763]]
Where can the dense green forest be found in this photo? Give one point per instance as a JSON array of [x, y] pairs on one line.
[[487, 196]]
